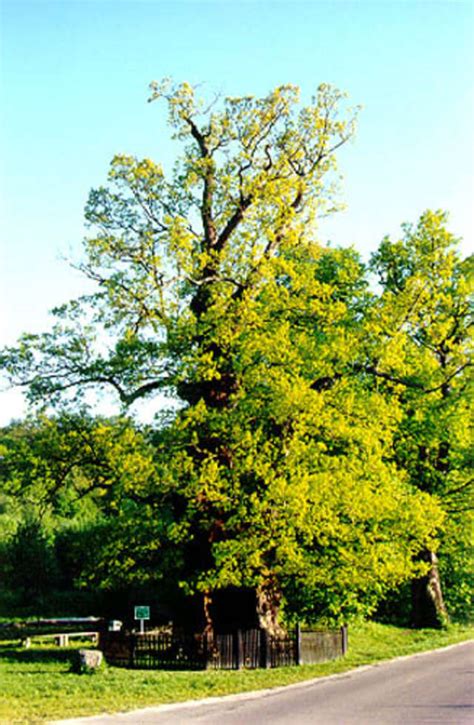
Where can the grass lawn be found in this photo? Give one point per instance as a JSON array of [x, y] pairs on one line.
[[36, 683]]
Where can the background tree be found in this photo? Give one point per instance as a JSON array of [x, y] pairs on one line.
[[62, 481], [70, 464], [30, 561], [423, 323]]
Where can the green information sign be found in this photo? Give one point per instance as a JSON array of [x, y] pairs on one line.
[[142, 612]]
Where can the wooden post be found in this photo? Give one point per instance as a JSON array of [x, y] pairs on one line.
[[238, 649], [132, 650], [207, 644], [298, 655], [344, 639], [264, 649]]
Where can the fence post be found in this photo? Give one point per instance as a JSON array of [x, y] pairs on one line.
[[238, 649], [344, 639], [264, 649], [209, 642], [132, 651], [205, 650], [298, 656]]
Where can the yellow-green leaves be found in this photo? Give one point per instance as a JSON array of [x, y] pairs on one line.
[[294, 382]]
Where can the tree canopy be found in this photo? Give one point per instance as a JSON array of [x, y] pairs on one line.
[[276, 472], [424, 359]]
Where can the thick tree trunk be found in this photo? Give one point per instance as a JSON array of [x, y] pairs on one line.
[[428, 607], [268, 608], [208, 622]]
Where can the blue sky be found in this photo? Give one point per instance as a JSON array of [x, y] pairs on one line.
[[74, 78]]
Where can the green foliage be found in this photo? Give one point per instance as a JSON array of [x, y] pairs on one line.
[[276, 471], [30, 560], [457, 565], [70, 465], [423, 358]]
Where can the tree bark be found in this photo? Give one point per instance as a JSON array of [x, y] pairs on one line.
[[209, 624], [268, 608], [428, 607]]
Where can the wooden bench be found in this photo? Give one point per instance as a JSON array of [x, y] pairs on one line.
[[61, 639]]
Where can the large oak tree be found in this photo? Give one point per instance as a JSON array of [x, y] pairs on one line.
[[274, 474]]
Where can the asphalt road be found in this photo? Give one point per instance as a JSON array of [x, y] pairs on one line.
[[435, 687]]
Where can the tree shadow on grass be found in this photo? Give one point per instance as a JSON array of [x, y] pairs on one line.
[[36, 654]]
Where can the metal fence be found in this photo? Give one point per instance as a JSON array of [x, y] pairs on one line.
[[251, 648]]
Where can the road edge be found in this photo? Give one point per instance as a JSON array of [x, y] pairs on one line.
[[251, 694]]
